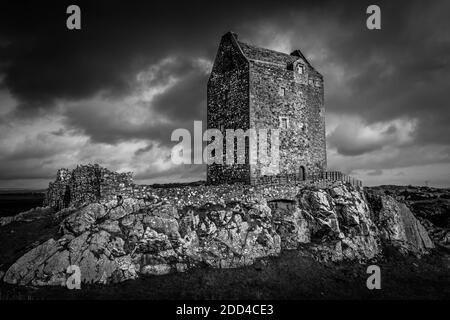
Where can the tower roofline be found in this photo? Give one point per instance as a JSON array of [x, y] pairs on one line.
[[260, 54]]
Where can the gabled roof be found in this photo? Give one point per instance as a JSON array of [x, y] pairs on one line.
[[255, 53], [266, 55], [298, 53]]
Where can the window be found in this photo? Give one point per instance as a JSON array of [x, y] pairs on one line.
[[301, 125], [220, 126], [282, 91], [284, 122], [321, 111], [225, 96], [300, 69], [310, 81], [318, 83]]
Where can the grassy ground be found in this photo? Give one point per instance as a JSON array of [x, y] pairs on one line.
[[290, 276]]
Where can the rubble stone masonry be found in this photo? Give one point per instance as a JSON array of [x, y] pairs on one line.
[[90, 183], [257, 88], [93, 183]]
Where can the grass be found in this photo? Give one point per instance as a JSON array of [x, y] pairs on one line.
[[289, 276]]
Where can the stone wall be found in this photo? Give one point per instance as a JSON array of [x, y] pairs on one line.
[[278, 92], [86, 184], [228, 90], [252, 87], [92, 183]]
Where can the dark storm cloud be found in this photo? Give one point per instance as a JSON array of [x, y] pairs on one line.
[[44, 61], [182, 103], [399, 72], [351, 147], [403, 71], [185, 100], [147, 148], [85, 118]]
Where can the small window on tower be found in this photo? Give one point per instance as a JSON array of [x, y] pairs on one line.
[[225, 96], [221, 126], [282, 91], [300, 69], [284, 122]]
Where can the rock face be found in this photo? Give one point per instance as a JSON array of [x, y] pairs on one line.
[[399, 227], [164, 232], [111, 242], [340, 218], [430, 205]]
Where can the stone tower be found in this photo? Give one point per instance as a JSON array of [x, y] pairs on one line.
[[251, 87]]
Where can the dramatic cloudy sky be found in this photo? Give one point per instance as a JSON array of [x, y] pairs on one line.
[[113, 92]]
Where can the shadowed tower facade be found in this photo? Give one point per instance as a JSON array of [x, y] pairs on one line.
[[258, 88]]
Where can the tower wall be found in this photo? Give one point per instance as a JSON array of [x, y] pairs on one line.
[[252, 87], [228, 106], [278, 92]]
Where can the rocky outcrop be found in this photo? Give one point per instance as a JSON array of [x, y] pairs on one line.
[[431, 206], [114, 242], [333, 224], [398, 227], [176, 229]]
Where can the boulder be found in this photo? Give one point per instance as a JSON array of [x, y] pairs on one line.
[[290, 223], [31, 264], [339, 224], [83, 219], [317, 207]]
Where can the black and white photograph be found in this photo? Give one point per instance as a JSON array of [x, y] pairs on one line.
[[224, 155]]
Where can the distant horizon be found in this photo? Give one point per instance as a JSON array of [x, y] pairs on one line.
[[163, 181]]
